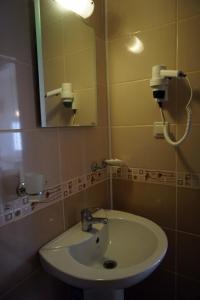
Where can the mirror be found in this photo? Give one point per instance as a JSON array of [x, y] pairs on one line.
[[66, 54]]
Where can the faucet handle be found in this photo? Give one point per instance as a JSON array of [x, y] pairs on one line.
[[86, 213], [89, 210]]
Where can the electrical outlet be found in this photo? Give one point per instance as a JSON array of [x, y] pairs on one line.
[[158, 130]]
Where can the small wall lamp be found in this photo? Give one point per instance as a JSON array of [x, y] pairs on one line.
[[83, 8]]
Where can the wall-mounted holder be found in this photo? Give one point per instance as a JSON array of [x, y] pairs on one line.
[[107, 162], [95, 166], [115, 162], [33, 187]]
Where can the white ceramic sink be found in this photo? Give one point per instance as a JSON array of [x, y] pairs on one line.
[[132, 245]]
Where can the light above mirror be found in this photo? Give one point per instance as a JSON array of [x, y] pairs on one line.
[[83, 8]]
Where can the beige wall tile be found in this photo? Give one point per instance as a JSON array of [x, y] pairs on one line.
[[16, 35], [51, 12], [188, 210], [152, 201], [96, 196], [96, 145], [159, 48], [73, 161], [183, 98], [52, 40], [10, 164], [57, 115], [87, 107], [77, 34], [188, 255], [21, 240], [188, 152], [102, 107], [187, 288], [132, 103], [86, 115], [189, 45], [129, 16], [169, 261], [80, 69], [79, 148], [40, 154], [160, 285], [73, 207], [101, 61], [27, 152], [188, 8], [54, 73], [40, 285], [17, 95], [138, 148]]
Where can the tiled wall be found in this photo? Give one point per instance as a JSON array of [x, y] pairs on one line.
[[59, 154], [168, 33]]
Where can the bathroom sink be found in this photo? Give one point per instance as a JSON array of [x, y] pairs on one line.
[[109, 258]]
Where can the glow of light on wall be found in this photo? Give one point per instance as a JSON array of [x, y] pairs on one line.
[[17, 139], [17, 113], [135, 45], [83, 8]]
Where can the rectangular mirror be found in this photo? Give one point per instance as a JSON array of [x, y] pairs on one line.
[[66, 54]]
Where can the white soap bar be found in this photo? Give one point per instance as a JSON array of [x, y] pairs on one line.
[[115, 162]]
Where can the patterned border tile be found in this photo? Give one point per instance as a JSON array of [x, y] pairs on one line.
[[180, 179], [22, 207]]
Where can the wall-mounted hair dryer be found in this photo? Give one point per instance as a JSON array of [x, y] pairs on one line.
[[159, 82], [67, 96]]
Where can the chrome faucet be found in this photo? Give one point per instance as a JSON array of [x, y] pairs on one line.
[[87, 220]]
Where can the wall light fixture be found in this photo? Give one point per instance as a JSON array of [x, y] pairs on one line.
[[83, 8]]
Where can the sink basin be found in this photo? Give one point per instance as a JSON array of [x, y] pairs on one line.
[[109, 258]]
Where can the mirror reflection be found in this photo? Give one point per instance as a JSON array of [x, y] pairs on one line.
[[67, 67]]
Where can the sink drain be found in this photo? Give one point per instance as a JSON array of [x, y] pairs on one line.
[[109, 264]]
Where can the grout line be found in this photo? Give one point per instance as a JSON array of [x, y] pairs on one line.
[[16, 60], [189, 233], [125, 35], [137, 126], [179, 275], [130, 81], [187, 277], [108, 101], [185, 19], [176, 158], [49, 129], [19, 283], [119, 83], [161, 177], [181, 231], [60, 177]]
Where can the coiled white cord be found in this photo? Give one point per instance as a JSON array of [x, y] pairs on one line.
[[188, 124]]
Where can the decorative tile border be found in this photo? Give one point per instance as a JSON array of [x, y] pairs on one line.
[[21, 207], [170, 178]]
